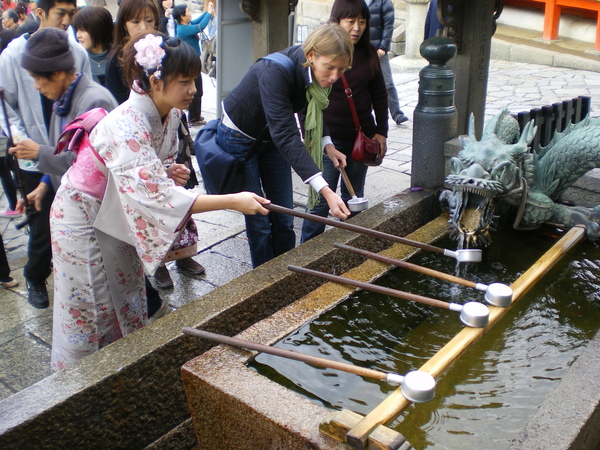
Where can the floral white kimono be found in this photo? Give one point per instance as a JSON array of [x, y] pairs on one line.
[[100, 246]]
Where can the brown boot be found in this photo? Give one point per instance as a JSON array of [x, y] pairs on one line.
[[190, 267], [162, 279]]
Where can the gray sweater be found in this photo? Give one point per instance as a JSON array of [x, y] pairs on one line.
[[87, 95], [23, 102]]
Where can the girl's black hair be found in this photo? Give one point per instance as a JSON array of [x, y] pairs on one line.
[[180, 59], [350, 9], [98, 22]]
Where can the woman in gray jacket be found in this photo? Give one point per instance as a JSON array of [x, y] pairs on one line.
[[49, 60]]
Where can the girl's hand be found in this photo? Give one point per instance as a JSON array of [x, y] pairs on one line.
[[249, 203], [336, 204], [211, 8], [337, 158], [382, 143], [178, 173]]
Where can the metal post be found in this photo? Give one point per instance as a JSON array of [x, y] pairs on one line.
[[435, 117]]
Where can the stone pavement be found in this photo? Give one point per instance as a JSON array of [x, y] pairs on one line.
[[25, 332]]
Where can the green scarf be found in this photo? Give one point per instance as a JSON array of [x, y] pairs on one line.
[[317, 97]]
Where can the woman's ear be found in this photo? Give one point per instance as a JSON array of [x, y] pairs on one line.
[[309, 57], [155, 83]]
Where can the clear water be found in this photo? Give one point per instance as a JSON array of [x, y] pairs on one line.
[[490, 392]]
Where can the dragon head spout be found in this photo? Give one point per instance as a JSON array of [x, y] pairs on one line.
[[483, 172]]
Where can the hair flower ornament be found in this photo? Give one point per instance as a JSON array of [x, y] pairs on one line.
[[149, 54]]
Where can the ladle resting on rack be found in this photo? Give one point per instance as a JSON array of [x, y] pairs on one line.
[[461, 255], [417, 386], [472, 314], [496, 294]]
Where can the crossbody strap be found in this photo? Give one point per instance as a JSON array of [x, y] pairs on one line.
[[348, 92]]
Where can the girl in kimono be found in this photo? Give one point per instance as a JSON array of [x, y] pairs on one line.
[[125, 214]]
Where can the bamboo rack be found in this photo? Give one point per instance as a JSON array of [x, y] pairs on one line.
[[358, 434]]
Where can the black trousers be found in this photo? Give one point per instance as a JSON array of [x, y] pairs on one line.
[[8, 183], [195, 108], [4, 267], [39, 251]]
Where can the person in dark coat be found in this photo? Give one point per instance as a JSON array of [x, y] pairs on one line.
[[432, 23], [369, 95], [262, 107], [381, 30]]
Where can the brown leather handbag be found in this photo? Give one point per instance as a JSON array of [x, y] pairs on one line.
[[366, 151]]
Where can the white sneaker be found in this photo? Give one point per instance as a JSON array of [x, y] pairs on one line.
[[161, 312]]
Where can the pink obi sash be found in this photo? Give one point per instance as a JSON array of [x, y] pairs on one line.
[[88, 172]]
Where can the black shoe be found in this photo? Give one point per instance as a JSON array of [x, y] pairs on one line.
[[400, 118], [38, 295]]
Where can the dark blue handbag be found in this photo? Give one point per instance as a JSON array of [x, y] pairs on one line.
[[221, 172]]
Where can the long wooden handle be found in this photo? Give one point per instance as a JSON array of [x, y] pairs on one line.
[[354, 228], [314, 360], [407, 265], [372, 287], [347, 181]]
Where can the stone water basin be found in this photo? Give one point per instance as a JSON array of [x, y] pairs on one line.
[[234, 404], [492, 391]]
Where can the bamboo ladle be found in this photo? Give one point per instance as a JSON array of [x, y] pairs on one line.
[[417, 386], [461, 255], [496, 294], [355, 204], [472, 314]]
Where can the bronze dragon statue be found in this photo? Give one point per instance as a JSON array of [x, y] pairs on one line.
[[501, 169]]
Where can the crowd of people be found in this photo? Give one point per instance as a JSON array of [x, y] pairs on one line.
[[107, 215]]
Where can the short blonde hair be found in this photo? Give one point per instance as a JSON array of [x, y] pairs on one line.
[[329, 40]]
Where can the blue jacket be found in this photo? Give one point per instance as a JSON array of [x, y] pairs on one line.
[[189, 33], [270, 93], [381, 25]]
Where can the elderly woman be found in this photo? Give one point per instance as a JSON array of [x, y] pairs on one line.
[[49, 60]]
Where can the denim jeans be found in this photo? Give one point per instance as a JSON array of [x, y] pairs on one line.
[[393, 102], [357, 173], [267, 174]]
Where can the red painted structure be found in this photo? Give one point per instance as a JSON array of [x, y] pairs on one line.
[[554, 8]]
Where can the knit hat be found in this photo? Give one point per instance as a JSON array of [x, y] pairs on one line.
[[48, 51]]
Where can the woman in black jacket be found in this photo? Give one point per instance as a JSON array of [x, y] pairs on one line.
[[369, 94], [263, 107]]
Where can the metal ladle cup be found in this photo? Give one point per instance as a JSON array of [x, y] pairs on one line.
[[472, 314], [355, 204], [417, 386]]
